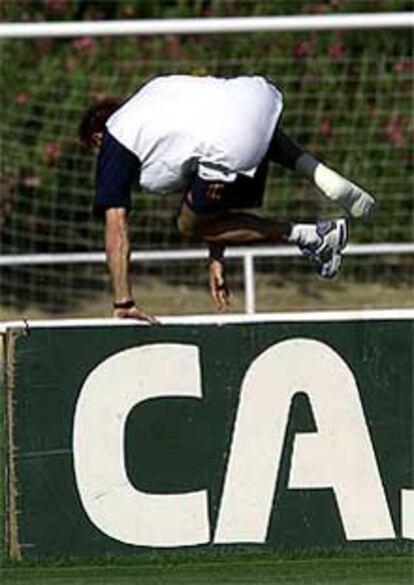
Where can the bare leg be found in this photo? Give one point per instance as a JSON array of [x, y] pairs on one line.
[[222, 229], [231, 228]]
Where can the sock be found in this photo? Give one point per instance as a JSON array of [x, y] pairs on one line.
[[304, 234], [334, 186]]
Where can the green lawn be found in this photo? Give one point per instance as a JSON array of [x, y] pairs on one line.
[[340, 571]]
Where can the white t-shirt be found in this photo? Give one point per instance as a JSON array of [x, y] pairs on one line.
[[181, 125]]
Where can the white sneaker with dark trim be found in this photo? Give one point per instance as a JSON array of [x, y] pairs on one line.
[[327, 252]]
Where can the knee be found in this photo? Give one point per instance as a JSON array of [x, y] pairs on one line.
[[188, 226]]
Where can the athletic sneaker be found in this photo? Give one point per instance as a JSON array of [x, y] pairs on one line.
[[327, 253]]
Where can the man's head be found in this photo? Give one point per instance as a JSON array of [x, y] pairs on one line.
[[93, 122]]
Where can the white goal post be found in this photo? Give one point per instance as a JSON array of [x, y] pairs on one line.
[[36, 30], [207, 25]]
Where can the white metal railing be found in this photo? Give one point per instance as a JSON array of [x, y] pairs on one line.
[[219, 319], [246, 253], [207, 25]]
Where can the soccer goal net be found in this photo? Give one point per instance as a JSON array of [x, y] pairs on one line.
[[348, 95]]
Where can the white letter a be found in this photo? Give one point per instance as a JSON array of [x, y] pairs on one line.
[[338, 456]]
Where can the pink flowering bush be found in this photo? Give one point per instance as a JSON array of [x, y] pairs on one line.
[[57, 7], [325, 128], [337, 51], [21, 98], [303, 50], [86, 46], [51, 152], [395, 130]]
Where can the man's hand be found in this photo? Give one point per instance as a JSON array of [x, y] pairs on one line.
[[218, 286], [117, 253], [135, 313]]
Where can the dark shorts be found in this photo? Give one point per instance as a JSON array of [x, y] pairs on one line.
[[245, 192], [214, 197]]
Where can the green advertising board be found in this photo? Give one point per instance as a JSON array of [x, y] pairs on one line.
[[281, 433]]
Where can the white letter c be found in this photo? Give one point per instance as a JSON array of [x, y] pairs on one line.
[[107, 397]]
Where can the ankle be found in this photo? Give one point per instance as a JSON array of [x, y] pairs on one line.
[[306, 166], [329, 182], [304, 234]]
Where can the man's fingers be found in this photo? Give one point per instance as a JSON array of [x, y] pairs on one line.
[[220, 294], [218, 287], [149, 318], [136, 313], [223, 294], [216, 297], [224, 299], [153, 320]]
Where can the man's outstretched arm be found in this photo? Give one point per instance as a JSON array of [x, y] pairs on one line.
[[117, 255], [219, 289]]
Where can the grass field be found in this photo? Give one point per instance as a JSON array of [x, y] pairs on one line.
[[161, 298], [318, 571]]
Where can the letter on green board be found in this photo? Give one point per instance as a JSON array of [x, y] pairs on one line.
[[108, 395], [339, 455]]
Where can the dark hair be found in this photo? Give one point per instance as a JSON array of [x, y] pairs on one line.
[[94, 119]]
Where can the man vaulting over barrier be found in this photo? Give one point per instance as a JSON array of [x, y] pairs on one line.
[[211, 139]]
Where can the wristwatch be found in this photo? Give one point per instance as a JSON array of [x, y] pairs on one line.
[[124, 305]]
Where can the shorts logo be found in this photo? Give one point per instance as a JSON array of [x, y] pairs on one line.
[[215, 191]]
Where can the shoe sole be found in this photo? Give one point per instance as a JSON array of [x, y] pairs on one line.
[[343, 233], [329, 268]]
